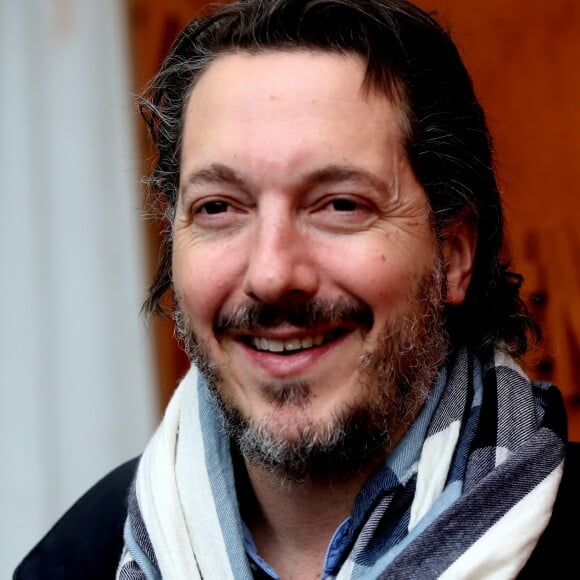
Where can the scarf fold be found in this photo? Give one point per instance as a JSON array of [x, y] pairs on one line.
[[472, 503]]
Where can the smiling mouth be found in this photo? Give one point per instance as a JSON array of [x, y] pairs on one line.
[[292, 345]]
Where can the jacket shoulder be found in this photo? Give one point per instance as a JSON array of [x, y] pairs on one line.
[[555, 555], [86, 543]]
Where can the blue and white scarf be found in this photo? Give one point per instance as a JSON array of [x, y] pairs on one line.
[[475, 479]]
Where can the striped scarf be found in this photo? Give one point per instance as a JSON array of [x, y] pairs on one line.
[[475, 479]]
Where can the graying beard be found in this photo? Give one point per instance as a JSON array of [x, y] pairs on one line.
[[194, 350], [294, 393], [405, 362], [342, 446]]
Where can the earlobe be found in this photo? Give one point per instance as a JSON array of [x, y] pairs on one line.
[[458, 250]]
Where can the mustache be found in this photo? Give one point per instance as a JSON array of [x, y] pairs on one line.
[[256, 316]]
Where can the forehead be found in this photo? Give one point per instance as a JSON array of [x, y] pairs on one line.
[[288, 108], [303, 72], [281, 69]]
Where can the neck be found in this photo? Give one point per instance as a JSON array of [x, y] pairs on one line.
[[292, 523]]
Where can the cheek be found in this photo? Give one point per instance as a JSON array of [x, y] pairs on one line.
[[372, 272], [204, 279]]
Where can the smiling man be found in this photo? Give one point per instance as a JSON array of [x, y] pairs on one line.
[[334, 254], [305, 262]]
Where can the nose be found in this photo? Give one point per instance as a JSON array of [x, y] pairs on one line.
[[281, 264]]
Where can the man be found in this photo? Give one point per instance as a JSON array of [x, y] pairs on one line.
[[334, 253]]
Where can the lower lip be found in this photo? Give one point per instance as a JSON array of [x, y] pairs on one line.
[[287, 365]]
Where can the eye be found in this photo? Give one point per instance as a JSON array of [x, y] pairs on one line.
[[214, 207], [343, 212], [217, 212], [344, 205]]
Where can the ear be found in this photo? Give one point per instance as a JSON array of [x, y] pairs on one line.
[[458, 251]]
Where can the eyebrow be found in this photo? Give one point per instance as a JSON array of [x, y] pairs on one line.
[[331, 174], [215, 173], [342, 173]]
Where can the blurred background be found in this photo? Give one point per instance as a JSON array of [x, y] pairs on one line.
[[83, 379]]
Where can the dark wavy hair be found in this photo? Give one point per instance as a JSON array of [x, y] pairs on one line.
[[411, 59]]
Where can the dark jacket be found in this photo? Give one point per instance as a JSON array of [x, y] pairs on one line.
[[86, 542]]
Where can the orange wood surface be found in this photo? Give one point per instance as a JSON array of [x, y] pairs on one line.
[[524, 57], [153, 27]]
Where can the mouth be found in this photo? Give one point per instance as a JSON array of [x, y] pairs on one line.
[[291, 345]]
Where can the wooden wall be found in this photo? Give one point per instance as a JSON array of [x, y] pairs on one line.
[[524, 58], [153, 27]]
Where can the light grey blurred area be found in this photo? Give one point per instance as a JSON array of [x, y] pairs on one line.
[[77, 392]]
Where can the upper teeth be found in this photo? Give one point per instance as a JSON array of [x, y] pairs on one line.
[[274, 345]]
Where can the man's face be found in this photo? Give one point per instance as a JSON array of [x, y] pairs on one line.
[[305, 267]]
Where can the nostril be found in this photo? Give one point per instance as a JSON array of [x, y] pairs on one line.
[[277, 281]]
